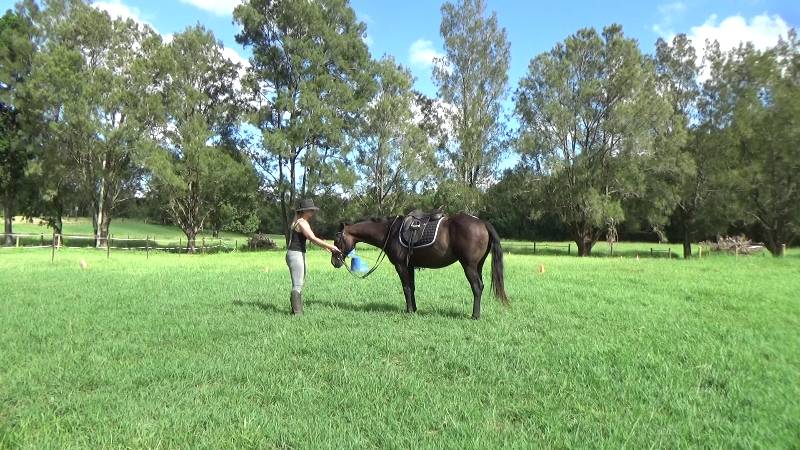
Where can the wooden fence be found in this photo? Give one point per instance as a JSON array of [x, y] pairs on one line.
[[57, 241], [668, 251], [546, 246]]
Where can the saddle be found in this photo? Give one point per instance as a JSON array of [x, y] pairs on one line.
[[419, 228]]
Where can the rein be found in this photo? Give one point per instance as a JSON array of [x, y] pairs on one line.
[[380, 258]]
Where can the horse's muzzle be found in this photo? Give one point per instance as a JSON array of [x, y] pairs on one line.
[[337, 260]]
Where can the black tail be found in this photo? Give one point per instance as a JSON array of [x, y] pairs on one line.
[[498, 286]]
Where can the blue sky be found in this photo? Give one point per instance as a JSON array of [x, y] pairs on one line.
[[409, 29]]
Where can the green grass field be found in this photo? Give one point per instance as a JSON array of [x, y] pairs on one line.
[[122, 228], [125, 233], [200, 352]]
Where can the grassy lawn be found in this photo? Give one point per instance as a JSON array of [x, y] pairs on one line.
[[200, 352]]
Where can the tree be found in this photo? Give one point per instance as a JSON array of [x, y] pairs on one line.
[[308, 80], [94, 90], [590, 115], [17, 50], [764, 89], [236, 203], [190, 164], [392, 151], [677, 71], [509, 205], [472, 78]]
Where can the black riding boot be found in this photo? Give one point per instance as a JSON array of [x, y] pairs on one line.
[[297, 303]]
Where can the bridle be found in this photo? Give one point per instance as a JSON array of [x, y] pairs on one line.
[[340, 237]]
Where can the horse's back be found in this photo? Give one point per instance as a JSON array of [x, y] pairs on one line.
[[467, 234]]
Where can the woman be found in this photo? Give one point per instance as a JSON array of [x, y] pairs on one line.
[[296, 251]]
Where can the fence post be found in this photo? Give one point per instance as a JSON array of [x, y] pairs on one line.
[[109, 242], [651, 251], [41, 240], [147, 247], [53, 253], [180, 244], [612, 250], [783, 249], [204, 244], [17, 241], [669, 252], [569, 249], [534, 248], [699, 251]]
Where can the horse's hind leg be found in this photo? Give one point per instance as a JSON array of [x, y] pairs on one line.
[[407, 278], [476, 282]]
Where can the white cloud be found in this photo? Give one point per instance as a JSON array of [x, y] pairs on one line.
[[762, 31], [671, 8], [421, 53], [668, 12], [218, 7], [233, 55], [116, 9]]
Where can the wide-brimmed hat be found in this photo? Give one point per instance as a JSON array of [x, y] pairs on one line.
[[306, 205]]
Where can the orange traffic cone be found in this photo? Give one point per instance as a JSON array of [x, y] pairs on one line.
[[541, 268]]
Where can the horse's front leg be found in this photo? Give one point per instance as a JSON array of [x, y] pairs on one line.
[[407, 278]]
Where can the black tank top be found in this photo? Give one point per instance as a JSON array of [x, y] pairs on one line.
[[297, 240]]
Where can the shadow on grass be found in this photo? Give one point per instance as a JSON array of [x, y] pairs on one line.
[[357, 307], [260, 305], [378, 307]]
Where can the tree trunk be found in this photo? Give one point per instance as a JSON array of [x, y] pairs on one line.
[[104, 226], [58, 215], [97, 217], [687, 246], [58, 225], [585, 237], [191, 236], [8, 216], [687, 238]]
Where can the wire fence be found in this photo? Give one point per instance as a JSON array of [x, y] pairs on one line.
[[149, 243]]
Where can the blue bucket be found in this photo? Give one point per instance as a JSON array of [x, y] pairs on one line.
[[357, 265]]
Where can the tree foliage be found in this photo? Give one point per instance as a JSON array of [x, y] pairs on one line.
[[17, 51], [590, 114], [309, 77], [190, 164], [93, 88], [472, 80], [393, 154], [762, 91]]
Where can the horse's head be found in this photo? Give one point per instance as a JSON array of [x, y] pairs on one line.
[[345, 243]]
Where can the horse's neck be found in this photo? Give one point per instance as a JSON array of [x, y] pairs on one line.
[[372, 233]]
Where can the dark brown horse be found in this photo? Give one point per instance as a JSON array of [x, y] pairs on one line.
[[461, 238]]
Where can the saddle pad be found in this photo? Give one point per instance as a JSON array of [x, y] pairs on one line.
[[428, 235]]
